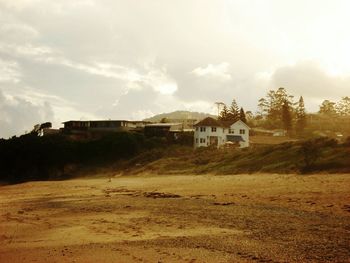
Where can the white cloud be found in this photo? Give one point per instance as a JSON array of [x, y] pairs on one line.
[[18, 4], [218, 71], [141, 114], [122, 59], [9, 71], [200, 106], [19, 115], [16, 30]]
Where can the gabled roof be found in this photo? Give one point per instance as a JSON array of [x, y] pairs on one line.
[[227, 124], [239, 121], [209, 121]]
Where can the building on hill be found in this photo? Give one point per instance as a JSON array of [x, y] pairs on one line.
[[187, 124], [96, 128], [211, 132], [163, 129]]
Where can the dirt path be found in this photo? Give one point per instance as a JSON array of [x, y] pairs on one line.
[[238, 218]]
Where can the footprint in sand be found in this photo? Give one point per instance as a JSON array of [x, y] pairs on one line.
[[346, 208]]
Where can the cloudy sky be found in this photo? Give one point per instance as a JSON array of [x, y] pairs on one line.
[[130, 59]]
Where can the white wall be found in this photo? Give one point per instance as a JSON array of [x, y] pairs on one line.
[[221, 134], [198, 135], [236, 127]]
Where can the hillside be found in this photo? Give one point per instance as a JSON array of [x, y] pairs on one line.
[[180, 115], [30, 158], [311, 156]]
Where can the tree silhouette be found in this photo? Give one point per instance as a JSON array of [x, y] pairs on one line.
[[343, 106], [300, 116], [328, 108], [271, 107], [242, 115], [224, 114], [234, 111], [286, 116]]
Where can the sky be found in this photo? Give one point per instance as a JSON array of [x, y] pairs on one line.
[[130, 59]]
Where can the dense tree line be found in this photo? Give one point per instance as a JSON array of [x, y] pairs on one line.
[[232, 113], [279, 110], [332, 109], [30, 157]]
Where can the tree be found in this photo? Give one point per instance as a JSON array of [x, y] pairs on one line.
[[224, 114], [270, 107], [300, 116], [328, 108], [242, 115], [263, 108], [233, 114], [219, 104], [310, 152], [249, 115], [343, 106], [286, 117]]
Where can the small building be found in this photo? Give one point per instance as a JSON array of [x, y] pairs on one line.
[[97, 128], [211, 132], [163, 129], [187, 124], [103, 125]]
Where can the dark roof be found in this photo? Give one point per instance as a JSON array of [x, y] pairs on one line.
[[227, 124], [105, 121], [209, 121], [163, 124], [234, 138]]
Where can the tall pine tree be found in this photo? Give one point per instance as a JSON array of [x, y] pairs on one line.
[[286, 116], [300, 116], [242, 115], [233, 114], [224, 114]]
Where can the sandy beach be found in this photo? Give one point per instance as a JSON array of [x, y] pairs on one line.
[[196, 218]]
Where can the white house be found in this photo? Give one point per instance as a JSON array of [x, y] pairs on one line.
[[211, 132]]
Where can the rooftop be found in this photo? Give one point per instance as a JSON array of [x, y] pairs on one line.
[[162, 124], [209, 121]]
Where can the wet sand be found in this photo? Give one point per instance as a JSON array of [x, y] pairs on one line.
[[199, 218]]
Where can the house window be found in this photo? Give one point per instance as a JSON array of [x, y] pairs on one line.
[[202, 140], [202, 129], [196, 140], [213, 129], [196, 128], [241, 131], [231, 131]]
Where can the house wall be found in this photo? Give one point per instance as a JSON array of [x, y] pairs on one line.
[[221, 134], [236, 127], [198, 135]]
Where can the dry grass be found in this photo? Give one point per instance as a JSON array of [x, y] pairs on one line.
[[269, 140]]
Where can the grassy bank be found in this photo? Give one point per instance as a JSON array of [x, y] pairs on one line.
[[31, 158], [312, 156]]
